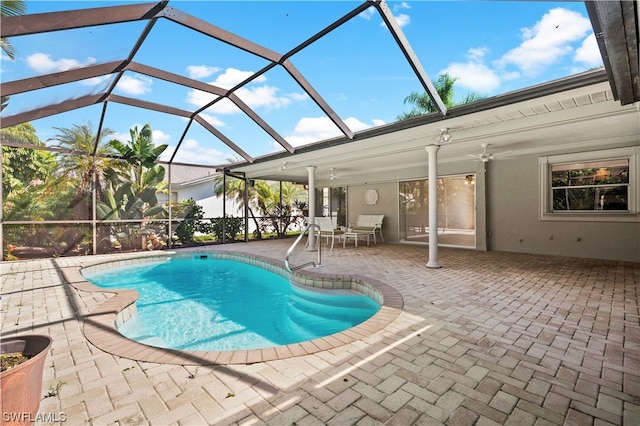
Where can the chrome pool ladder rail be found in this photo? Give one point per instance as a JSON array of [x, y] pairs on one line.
[[295, 243]]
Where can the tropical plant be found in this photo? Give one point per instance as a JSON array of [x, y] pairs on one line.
[[234, 189], [33, 191], [228, 227], [422, 103], [141, 153], [21, 166], [192, 222], [131, 192], [280, 206]]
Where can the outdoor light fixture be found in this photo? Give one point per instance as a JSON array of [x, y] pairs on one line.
[[445, 136], [283, 167]]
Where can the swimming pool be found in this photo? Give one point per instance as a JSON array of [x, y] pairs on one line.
[[209, 304]]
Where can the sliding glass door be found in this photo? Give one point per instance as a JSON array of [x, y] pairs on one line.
[[456, 211]]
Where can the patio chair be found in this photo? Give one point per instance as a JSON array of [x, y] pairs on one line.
[[370, 222], [327, 230]]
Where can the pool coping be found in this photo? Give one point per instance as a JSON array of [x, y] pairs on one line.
[[100, 325]]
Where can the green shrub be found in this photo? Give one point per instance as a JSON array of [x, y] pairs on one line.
[[234, 226], [193, 220]]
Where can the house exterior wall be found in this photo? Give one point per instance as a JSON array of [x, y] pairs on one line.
[[514, 224], [388, 202], [507, 212]]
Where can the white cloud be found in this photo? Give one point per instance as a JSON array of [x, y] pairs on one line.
[[232, 76], [201, 71], [255, 95], [402, 19], [355, 125], [191, 151], [160, 137], [225, 106], [122, 137], [134, 85], [214, 121], [314, 129], [263, 96], [96, 81], [589, 53], [548, 41], [199, 98], [474, 75], [367, 13], [43, 63]]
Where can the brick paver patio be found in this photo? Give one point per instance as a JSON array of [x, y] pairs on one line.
[[490, 338]]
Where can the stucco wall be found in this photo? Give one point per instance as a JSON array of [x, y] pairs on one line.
[[387, 205], [514, 224], [388, 196], [508, 219]]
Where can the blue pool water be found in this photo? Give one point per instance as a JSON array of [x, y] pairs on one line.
[[217, 304]]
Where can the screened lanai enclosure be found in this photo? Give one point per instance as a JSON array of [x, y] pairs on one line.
[[144, 126], [81, 190]]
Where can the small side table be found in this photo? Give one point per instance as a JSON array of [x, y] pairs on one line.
[[355, 235]]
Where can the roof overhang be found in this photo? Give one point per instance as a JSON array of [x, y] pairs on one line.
[[615, 24]]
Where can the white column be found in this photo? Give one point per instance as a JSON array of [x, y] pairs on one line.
[[433, 206], [311, 170]]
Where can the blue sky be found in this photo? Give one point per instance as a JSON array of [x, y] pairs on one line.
[[490, 47]]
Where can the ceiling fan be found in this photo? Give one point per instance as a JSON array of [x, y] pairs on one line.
[[485, 156]]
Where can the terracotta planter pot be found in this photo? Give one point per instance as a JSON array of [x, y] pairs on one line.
[[21, 386]]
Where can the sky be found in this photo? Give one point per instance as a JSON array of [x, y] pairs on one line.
[[490, 47]]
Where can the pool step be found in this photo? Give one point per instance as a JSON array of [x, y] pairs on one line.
[[344, 300], [314, 324]]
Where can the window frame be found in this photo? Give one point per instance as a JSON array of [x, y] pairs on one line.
[[632, 154]]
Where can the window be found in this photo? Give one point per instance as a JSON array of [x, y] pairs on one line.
[[599, 185], [589, 186]]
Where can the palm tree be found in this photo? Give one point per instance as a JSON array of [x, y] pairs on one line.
[[10, 8], [422, 103], [79, 164]]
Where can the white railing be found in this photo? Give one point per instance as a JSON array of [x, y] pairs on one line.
[[295, 243]]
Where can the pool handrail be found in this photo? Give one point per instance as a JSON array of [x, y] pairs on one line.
[[295, 243]]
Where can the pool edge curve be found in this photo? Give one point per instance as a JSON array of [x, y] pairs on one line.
[[100, 328]]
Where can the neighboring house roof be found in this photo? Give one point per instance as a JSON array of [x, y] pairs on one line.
[[190, 175]]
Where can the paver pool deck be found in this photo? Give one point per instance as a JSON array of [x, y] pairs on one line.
[[489, 338]]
